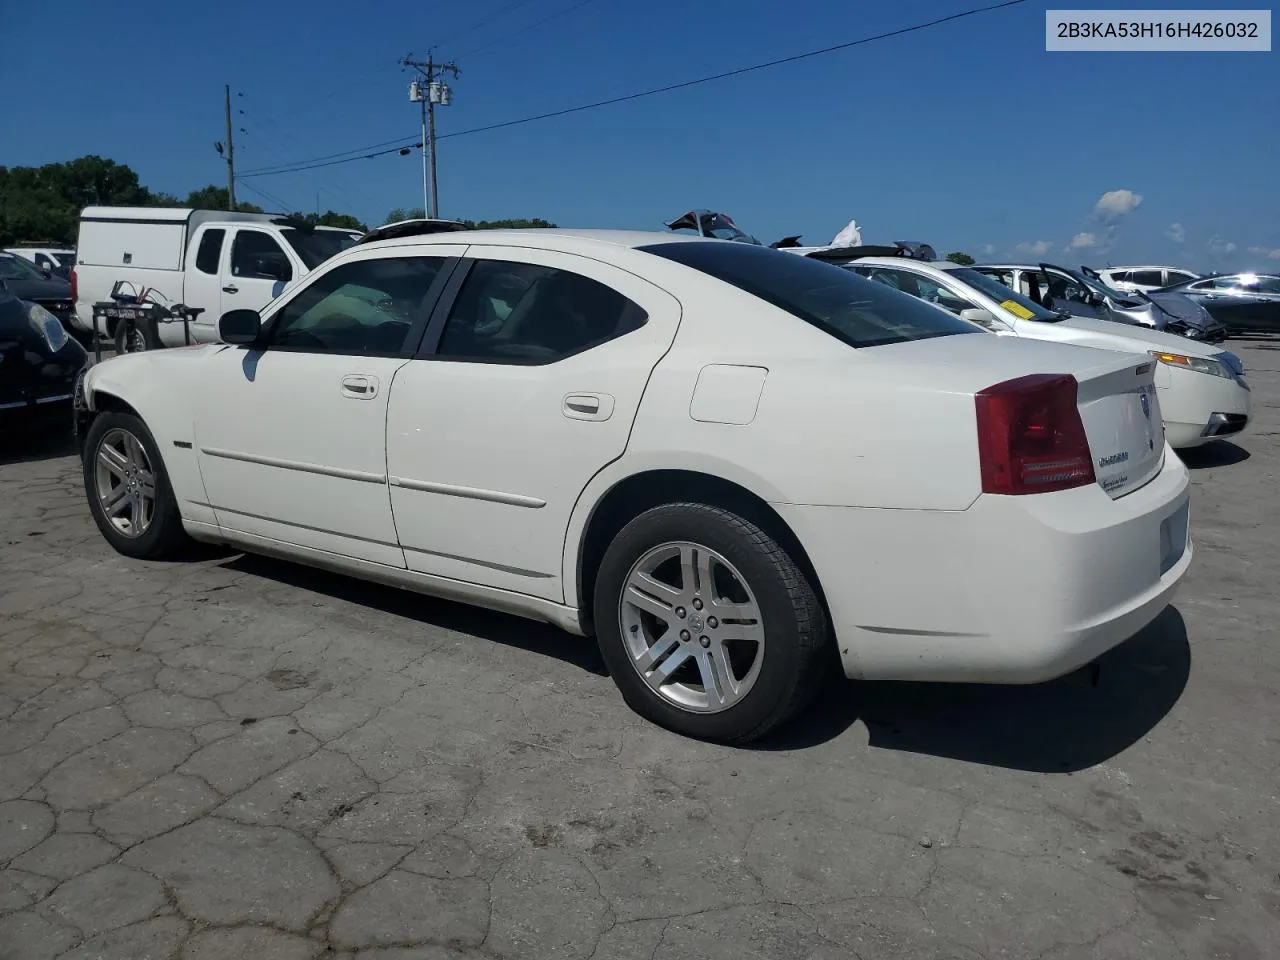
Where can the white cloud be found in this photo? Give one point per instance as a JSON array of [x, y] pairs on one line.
[[1271, 253], [1219, 246], [1114, 204], [1176, 232], [1037, 247], [988, 248], [1083, 241]]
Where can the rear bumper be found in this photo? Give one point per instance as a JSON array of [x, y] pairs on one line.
[[1012, 590]]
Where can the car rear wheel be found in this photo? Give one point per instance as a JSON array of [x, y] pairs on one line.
[[707, 625], [128, 490]]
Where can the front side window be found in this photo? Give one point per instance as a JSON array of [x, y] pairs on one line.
[[849, 307], [1179, 276], [256, 255], [523, 313], [364, 307], [210, 251]]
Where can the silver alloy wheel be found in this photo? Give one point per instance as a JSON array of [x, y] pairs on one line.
[[125, 481], [692, 627]]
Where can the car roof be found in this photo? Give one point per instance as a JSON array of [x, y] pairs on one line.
[[553, 238], [908, 263]]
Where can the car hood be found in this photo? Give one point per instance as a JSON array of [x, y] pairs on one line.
[[51, 289], [1110, 335], [1182, 307]]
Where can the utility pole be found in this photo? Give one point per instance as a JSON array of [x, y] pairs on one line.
[[433, 91], [231, 152]]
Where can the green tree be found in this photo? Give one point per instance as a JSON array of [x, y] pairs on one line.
[[516, 224], [44, 203], [216, 198], [961, 258], [400, 213]]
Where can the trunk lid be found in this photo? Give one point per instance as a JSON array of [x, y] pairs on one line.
[[1122, 421]]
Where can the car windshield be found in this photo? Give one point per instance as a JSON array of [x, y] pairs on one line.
[[314, 247], [17, 268], [851, 308], [1012, 301]]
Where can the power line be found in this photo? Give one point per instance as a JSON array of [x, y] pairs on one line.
[[398, 142], [483, 22], [403, 149], [901, 31], [284, 205], [523, 30]]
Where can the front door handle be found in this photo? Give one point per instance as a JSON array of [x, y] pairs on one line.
[[359, 387], [231, 288], [588, 406]]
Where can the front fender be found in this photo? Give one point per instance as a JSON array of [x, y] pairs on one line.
[[161, 387]]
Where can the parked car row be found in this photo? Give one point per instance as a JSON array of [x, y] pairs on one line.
[[725, 462]]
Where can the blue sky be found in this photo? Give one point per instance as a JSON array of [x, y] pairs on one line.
[[968, 135]]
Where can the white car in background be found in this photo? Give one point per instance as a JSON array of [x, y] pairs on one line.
[[1144, 278], [1203, 391], [692, 449]]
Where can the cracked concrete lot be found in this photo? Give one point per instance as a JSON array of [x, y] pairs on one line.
[[236, 757]]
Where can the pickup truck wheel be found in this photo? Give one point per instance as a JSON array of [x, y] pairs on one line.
[[133, 338], [128, 490], [707, 625]]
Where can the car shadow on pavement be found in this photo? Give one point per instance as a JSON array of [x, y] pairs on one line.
[[26, 447], [1057, 727], [1219, 453], [489, 625]]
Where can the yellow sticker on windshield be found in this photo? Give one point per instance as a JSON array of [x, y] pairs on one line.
[[1017, 309]]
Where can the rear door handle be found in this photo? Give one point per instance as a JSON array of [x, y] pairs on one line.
[[231, 288], [588, 406], [359, 387]]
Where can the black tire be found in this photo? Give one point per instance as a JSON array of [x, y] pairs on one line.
[[165, 536], [795, 625], [144, 337]]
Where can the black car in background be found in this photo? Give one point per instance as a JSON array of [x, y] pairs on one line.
[[28, 282], [1245, 302], [39, 368]]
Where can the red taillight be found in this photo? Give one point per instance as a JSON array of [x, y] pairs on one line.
[[1030, 436], [74, 287]]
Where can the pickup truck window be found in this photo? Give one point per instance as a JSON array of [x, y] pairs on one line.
[[210, 252], [256, 254], [314, 247]]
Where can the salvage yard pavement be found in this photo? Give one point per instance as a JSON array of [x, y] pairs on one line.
[[236, 757]]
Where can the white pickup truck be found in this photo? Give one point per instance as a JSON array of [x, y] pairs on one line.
[[208, 259]]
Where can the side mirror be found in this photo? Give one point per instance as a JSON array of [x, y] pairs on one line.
[[982, 318], [240, 327]]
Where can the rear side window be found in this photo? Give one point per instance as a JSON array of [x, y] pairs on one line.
[[210, 251], [857, 311], [1178, 276], [1147, 278], [524, 313]]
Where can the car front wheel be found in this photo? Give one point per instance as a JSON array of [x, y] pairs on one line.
[[707, 625], [128, 489]]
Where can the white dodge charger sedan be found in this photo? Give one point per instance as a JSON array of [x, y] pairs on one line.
[[1203, 391], [726, 463]]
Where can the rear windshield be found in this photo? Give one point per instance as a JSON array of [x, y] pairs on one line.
[[316, 246], [849, 307]]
